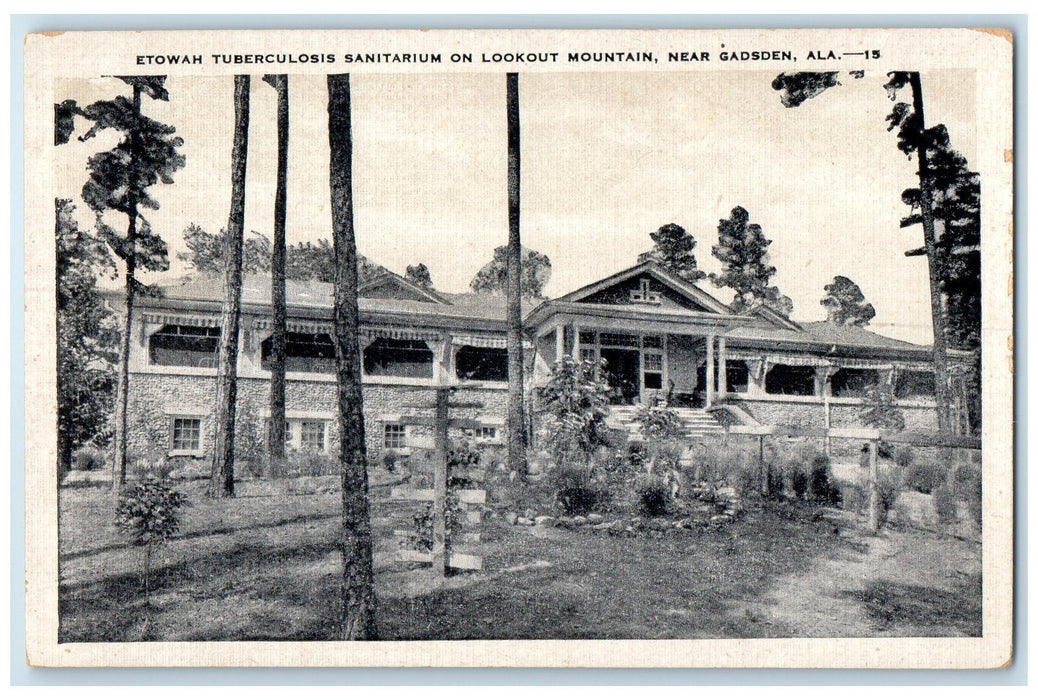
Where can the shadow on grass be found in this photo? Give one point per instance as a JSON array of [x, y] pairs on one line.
[[584, 585], [112, 608], [891, 605], [207, 533]]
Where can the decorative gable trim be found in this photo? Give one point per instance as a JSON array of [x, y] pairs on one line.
[[395, 280], [652, 269]]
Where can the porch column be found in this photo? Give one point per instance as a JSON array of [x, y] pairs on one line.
[[710, 385], [560, 343], [576, 342], [722, 368]]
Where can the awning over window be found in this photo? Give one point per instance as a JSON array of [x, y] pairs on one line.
[[481, 341], [296, 326], [400, 334], [796, 360], [181, 319]]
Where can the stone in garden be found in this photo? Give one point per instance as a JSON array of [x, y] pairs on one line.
[[524, 521], [511, 518], [579, 521], [595, 518], [636, 522], [544, 521], [530, 513]]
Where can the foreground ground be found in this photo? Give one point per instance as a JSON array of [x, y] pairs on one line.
[[265, 566]]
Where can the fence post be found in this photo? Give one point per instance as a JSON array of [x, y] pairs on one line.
[[873, 486], [764, 489], [441, 557]]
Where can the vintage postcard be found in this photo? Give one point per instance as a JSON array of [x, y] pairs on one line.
[[519, 348]]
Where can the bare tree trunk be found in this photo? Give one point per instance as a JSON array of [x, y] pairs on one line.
[[122, 390], [276, 438], [357, 613], [222, 479], [516, 424], [940, 324]]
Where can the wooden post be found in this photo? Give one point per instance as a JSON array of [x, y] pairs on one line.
[[709, 370], [722, 368], [576, 342], [764, 487], [560, 342], [440, 476], [873, 486]]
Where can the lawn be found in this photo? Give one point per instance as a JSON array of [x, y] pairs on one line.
[[265, 565]]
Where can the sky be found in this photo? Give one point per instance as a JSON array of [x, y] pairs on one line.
[[607, 158]]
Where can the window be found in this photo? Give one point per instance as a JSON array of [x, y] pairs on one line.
[[619, 340], [483, 364], [184, 346], [587, 354], [914, 384], [304, 352], [790, 380], [186, 435], [394, 436], [587, 337], [389, 357], [652, 370], [484, 433], [738, 377], [652, 341], [853, 382], [311, 436]]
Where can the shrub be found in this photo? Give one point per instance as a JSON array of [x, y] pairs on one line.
[[658, 423], [924, 477], [389, 460], [653, 499], [822, 489], [944, 504], [798, 482], [421, 535], [149, 514], [880, 409], [88, 458], [904, 456], [890, 485], [578, 500], [576, 490], [573, 405]]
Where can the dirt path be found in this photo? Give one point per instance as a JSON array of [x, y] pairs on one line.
[[899, 583]]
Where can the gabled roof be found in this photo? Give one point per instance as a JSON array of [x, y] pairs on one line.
[[825, 337], [405, 288], [650, 267]]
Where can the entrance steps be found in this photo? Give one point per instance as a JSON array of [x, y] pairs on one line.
[[696, 422]]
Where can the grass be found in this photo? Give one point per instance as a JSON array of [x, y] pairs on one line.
[[266, 566]]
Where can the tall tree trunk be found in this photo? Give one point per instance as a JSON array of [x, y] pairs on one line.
[[942, 383], [276, 438], [357, 613], [122, 390], [516, 424], [222, 478]]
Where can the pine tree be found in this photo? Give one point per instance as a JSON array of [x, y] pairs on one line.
[[743, 252], [419, 275], [846, 304], [221, 483], [118, 181], [357, 614], [673, 252]]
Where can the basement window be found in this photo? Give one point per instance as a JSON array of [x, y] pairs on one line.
[[853, 382], [789, 380], [390, 357], [394, 436], [186, 435], [482, 364], [304, 352], [184, 346]]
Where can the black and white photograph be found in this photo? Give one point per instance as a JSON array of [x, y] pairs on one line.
[[547, 345]]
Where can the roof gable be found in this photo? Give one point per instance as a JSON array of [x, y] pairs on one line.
[[647, 284], [388, 285]]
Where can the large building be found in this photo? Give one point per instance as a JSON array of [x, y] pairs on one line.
[[656, 333]]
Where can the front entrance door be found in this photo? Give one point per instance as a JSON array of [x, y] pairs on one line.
[[623, 372]]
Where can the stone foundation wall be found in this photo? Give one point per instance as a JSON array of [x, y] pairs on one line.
[[155, 399]]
